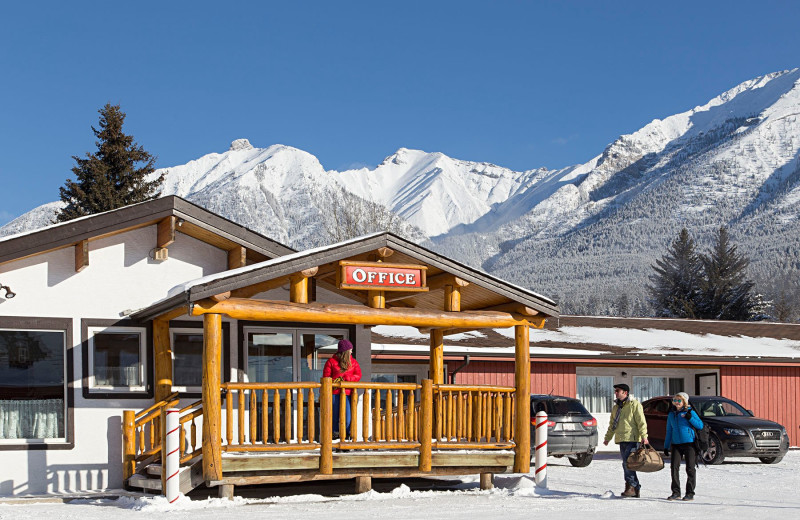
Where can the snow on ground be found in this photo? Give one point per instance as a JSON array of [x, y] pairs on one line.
[[738, 487]]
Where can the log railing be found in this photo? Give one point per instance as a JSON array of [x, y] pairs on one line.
[[270, 416], [142, 435], [473, 417], [275, 417]]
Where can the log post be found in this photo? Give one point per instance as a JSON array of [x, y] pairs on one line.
[[487, 481], [212, 357], [452, 298], [163, 359], [426, 426], [363, 484], [522, 403], [326, 427], [298, 289], [437, 357], [128, 445]]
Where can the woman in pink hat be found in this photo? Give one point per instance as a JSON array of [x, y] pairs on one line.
[[342, 367]]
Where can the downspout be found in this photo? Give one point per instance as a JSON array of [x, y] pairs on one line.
[[458, 369]]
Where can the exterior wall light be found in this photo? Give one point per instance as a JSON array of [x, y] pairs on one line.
[[9, 293]]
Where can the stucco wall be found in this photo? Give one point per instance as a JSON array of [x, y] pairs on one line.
[[120, 276]]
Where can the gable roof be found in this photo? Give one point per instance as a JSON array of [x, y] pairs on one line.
[[486, 289], [196, 222]]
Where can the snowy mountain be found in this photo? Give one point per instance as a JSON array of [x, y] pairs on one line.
[[585, 234]]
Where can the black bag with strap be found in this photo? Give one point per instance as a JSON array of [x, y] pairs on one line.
[[701, 437]]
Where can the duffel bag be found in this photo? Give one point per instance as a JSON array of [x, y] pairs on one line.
[[645, 459]]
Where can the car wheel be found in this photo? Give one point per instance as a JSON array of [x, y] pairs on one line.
[[713, 455], [581, 460], [771, 460]]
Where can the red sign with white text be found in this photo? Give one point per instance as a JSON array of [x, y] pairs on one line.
[[392, 277]]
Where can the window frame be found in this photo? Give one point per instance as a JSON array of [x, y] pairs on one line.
[[183, 389], [92, 332], [62, 325], [144, 391]]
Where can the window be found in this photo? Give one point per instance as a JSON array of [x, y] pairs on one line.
[[596, 393], [187, 359], [117, 359], [675, 385], [645, 388], [33, 403]]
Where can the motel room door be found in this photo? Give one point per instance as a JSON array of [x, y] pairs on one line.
[[706, 384]]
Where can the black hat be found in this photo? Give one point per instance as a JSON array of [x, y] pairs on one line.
[[623, 387]]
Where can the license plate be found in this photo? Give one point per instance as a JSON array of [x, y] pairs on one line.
[[570, 426]]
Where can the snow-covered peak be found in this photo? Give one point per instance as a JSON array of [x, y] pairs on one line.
[[240, 144]]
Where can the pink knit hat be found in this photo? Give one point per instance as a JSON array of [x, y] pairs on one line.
[[344, 345]]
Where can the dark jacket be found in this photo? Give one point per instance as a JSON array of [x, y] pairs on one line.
[[679, 427]]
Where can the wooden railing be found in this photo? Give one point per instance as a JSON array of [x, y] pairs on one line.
[[265, 420], [473, 417], [274, 417], [142, 434]]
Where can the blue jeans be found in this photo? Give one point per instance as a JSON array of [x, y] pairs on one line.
[[625, 449], [336, 413]]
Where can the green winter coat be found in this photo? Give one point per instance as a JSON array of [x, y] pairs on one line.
[[631, 426]]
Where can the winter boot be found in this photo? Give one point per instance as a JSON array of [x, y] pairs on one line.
[[629, 492], [674, 496]]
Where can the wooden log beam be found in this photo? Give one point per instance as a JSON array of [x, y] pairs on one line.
[[163, 359], [171, 315], [221, 297], [376, 299], [166, 232], [237, 257], [128, 445], [516, 308], [440, 280], [326, 426], [81, 255], [298, 285], [426, 426], [268, 310], [252, 290], [212, 358], [522, 404]]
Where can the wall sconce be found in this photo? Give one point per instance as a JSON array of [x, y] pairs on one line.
[[9, 293], [180, 222], [624, 374]]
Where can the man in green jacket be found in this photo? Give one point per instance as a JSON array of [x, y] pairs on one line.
[[628, 428]]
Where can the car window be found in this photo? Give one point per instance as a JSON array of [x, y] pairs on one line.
[[564, 407], [721, 408], [661, 407]]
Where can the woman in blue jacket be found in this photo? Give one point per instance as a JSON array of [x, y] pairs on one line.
[[681, 424]]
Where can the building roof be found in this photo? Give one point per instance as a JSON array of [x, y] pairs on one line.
[[484, 290], [623, 340], [192, 219]]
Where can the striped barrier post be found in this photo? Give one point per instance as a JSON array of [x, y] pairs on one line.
[[172, 460], [540, 453]]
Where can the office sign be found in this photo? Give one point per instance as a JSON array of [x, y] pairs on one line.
[[381, 276]]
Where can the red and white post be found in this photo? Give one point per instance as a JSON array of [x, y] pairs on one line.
[[540, 453], [172, 460]]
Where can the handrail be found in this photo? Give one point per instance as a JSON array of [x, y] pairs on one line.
[[171, 397]]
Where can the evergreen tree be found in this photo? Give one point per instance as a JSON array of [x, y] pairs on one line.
[[109, 178], [726, 293], [676, 282]]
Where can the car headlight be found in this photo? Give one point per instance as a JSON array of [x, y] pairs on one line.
[[733, 431]]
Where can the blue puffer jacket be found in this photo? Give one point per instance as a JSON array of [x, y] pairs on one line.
[[679, 429]]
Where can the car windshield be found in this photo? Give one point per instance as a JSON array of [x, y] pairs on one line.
[[560, 407], [721, 408]]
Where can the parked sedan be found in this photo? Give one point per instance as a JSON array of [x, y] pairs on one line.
[[735, 432], [571, 429]]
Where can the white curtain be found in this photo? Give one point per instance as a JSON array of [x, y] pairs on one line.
[[31, 418], [596, 393], [645, 388]]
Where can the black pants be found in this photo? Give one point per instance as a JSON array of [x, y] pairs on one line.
[[688, 453]]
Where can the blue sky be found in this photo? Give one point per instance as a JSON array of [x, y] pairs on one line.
[[519, 84]]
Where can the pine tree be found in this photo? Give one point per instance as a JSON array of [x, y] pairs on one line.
[[677, 279], [726, 293], [109, 178]]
